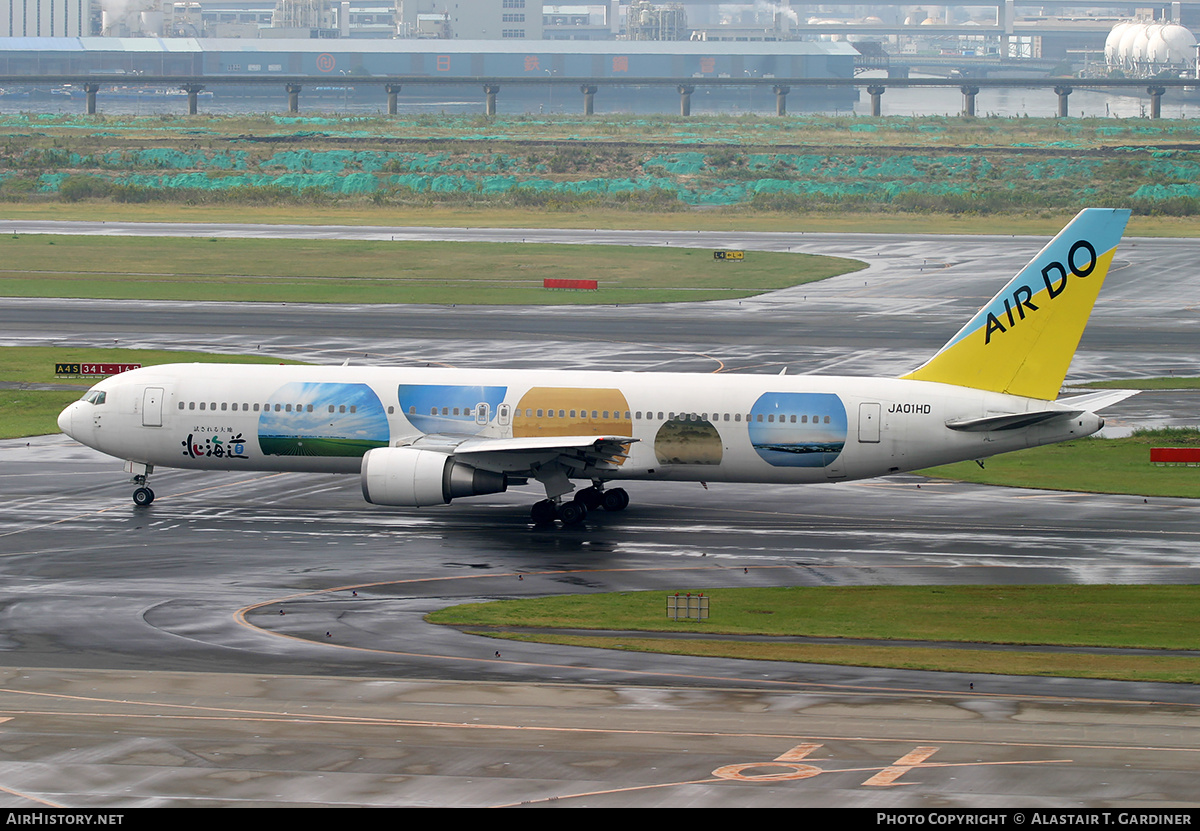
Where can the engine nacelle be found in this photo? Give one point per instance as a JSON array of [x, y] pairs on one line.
[[413, 477]]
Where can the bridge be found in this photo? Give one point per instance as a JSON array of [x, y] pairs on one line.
[[589, 87]]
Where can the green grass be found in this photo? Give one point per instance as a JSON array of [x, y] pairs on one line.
[[25, 412], [338, 271], [1146, 617], [1038, 223], [1157, 668], [1090, 465]]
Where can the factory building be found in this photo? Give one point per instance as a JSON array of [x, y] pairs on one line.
[[45, 18]]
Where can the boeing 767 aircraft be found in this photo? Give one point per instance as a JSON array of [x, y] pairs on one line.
[[422, 437]]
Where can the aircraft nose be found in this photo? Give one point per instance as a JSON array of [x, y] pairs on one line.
[[65, 418]]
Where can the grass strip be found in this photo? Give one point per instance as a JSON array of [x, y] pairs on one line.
[[350, 271], [1157, 668], [28, 412], [1091, 465], [1146, 617], [1179, 383], [1037, 223]]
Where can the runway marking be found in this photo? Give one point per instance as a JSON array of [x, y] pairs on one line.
[[888, 776], [207, 713], [797, 772], [169, 497], [31, 798], [787, 760]]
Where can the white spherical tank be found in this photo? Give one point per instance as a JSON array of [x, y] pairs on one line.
[[1112, 44], [1181, 44]]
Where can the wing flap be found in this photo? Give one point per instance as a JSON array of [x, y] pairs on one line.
[[528, 452]]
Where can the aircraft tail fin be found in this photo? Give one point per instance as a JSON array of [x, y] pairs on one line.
[[1022, 341]]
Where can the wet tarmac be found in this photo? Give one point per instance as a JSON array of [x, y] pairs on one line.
[[259, 638]]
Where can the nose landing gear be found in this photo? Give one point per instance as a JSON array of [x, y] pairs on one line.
[[142, 496]]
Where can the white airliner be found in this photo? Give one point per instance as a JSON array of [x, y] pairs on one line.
[[422, 437]]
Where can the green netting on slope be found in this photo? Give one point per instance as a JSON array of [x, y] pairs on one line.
[[820, 165], [1157, 193]]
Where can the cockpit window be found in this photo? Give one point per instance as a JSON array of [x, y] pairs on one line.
[[94, 397]]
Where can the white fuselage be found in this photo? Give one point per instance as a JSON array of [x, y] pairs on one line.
[[732, 428]]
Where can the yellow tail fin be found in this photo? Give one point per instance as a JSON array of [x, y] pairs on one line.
[[1022, 341]]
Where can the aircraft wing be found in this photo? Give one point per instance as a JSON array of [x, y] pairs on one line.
[[518, 454]]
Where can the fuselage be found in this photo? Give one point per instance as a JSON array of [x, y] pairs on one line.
[[713, 428]]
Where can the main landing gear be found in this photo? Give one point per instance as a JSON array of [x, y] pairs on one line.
[[575, 510]]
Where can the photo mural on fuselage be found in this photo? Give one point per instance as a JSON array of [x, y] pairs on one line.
[[798, 429], [572, 411], [315, 419], [448, 408]]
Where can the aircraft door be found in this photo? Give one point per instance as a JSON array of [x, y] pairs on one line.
[[868, 423], [152, 403], [481, 413]]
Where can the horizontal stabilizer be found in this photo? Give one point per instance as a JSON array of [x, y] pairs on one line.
[[1095, 401], [1015, 421]]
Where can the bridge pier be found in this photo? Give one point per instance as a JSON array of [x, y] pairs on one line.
[[192, 90], [685, 99], [1062, 93], [490, 90], [91, 90], [969, 94], [781, 93], [1156, 94], [293, 91], [589, 98], [876, 92], [393, 90]]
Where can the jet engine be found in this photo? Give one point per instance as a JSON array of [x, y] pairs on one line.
[[412, 477]]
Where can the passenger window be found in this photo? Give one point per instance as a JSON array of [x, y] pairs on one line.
[[202, 405], [191, 405]]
